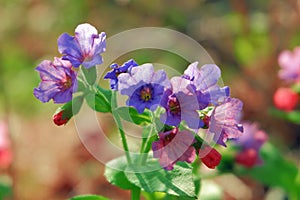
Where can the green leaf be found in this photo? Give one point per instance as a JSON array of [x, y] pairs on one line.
[[152, 178], [292, 116], [130, 114], [89, 197], [90, 74], [99, 101], [71, 108], [276, 171], [114, 173]]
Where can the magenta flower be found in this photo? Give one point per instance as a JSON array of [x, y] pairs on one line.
[[180, 104], [143, 86], [58, 81], [83, 48], [224, 121], [174, 146], [205, 83], [116, 71]]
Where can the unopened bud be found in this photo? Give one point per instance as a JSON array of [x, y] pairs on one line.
[[210, 157], [285, 99]]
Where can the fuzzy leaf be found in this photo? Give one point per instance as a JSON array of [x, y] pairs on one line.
[[152, 178], [114, 173]]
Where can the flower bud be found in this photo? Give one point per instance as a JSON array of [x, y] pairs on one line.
[[248, 158], [285, 99], [210, 157], [59, 120], [64, 113]]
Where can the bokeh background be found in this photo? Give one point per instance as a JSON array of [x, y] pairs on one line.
[[244, 38]]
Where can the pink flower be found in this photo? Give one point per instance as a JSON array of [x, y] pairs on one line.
[[290, 65], [174, 146], [224, 121], [5, 146]]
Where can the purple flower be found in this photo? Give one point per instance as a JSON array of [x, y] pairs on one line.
[[224, 121], [58, 81], [252, 137], [205, 83], [84, 48], [180, 104], [116, 71], [143, 86], [174, 146], [290, 65], [250, 143]]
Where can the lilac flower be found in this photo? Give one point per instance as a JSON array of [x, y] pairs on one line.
[[116, 71], [252, 137], [224, 121], [84, 48], [174, 146], [180, 104], [290, 65], [250, 143], [205, 83], [143, 86], [58, 81]]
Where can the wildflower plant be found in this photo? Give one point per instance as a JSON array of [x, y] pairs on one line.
[[186, 120]]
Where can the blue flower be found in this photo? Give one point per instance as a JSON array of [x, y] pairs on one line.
[[204, 82], [180, 104], [117, 70], [83, 48], [58, 81], [143, 86], [224, 121]]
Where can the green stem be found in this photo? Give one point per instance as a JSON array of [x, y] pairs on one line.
[[135, 193], [117, 119]]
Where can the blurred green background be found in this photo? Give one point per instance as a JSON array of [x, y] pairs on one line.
[[244, 38]]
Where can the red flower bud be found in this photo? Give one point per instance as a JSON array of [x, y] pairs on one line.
[[247, 158], [58, 119], [285, 99], [210, 157]]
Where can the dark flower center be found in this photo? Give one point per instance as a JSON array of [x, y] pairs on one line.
[[146, 92], [67, 83], [174, 106]]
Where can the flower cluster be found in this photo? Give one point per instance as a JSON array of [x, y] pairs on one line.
[[59, 77], [185, 105], [185, 100], [286, 98]]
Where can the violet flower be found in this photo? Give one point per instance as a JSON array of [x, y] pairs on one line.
[[180, 104], [83, 48], [143, 86], [205, 83], [290, 65], [250, 143], [224, 121], [117, 70], [58, 81], [174, 146]]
